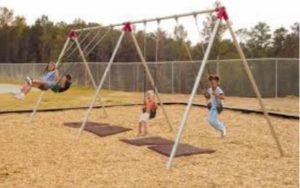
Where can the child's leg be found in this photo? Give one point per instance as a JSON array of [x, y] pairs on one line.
[[140, 128], [144, 118], [21, 94], [213, 120], [37, 83], [145, 131], [26, 89]]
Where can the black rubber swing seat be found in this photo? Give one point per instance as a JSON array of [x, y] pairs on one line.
[[99, 129]]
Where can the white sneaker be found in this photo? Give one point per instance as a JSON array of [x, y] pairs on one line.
[[20, 96], [28, 80], [223, 134]]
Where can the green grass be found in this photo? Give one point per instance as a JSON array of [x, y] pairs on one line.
[[4, 80], [76, 96], [79, 96]]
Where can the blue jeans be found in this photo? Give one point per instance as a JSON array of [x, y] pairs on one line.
[[213, 120]]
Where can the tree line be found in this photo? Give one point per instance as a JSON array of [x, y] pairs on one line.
[[43, 41]]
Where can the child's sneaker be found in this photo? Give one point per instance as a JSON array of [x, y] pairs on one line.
[[223, 134], [28, 80], [20, 96]]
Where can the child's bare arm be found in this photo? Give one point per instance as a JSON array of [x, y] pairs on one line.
[[206, 95], [221, 96]]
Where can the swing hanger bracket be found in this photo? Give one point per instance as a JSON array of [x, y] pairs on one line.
[[72, 35], [127, 27], [222, 13]]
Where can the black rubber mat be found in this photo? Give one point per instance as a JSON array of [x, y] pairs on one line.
[[147, 141], [182, 150], [100, 129], [105, 130], [78, 124]]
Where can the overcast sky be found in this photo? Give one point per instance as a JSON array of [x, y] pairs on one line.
[[243, 13]]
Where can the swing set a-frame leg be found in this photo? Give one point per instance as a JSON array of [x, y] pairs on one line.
[[255, 88], [151, 80], [88, 112], [90, 75], [222, 14], [192, 96]]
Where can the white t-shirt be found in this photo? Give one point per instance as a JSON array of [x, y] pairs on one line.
[[213, 99]]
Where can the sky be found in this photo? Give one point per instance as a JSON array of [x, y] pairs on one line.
[[242, 13]]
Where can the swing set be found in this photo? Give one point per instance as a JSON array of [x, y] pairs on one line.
[[127, 28]]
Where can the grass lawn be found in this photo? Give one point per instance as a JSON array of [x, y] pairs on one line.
[[82, 96]]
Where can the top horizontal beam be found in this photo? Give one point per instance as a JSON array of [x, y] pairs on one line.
[[150, 20]]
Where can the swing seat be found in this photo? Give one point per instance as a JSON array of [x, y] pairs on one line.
[[219, 107], [152, 112], [57, 89]]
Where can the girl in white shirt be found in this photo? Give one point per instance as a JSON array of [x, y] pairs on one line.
[[215, 95]]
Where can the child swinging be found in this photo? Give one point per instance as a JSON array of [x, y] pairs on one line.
[[215, 95], [149, 112], [50, 80]]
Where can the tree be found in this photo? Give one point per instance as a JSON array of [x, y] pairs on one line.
[[6, 16], [18, 43], [260, 40], [180, 44], [207, 30], [291, 43], [279, 37]]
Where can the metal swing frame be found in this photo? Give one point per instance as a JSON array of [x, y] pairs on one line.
[[221, 15]]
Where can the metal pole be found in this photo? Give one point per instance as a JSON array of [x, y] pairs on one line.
[[145, 56], [42, 93], [151, 19], [88, 70], [62, 52], [172, 78], [100, 84], [276, 78], [109, 79], [218, 65], [137, 77], [151, 79], [255, 88], [194, 91], [36, 106], [156, 50]]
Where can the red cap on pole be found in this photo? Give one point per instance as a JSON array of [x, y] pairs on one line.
[[127, 27], [72, 34], [222, 13]]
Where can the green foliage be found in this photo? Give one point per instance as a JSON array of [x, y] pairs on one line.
[[43, 41]]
